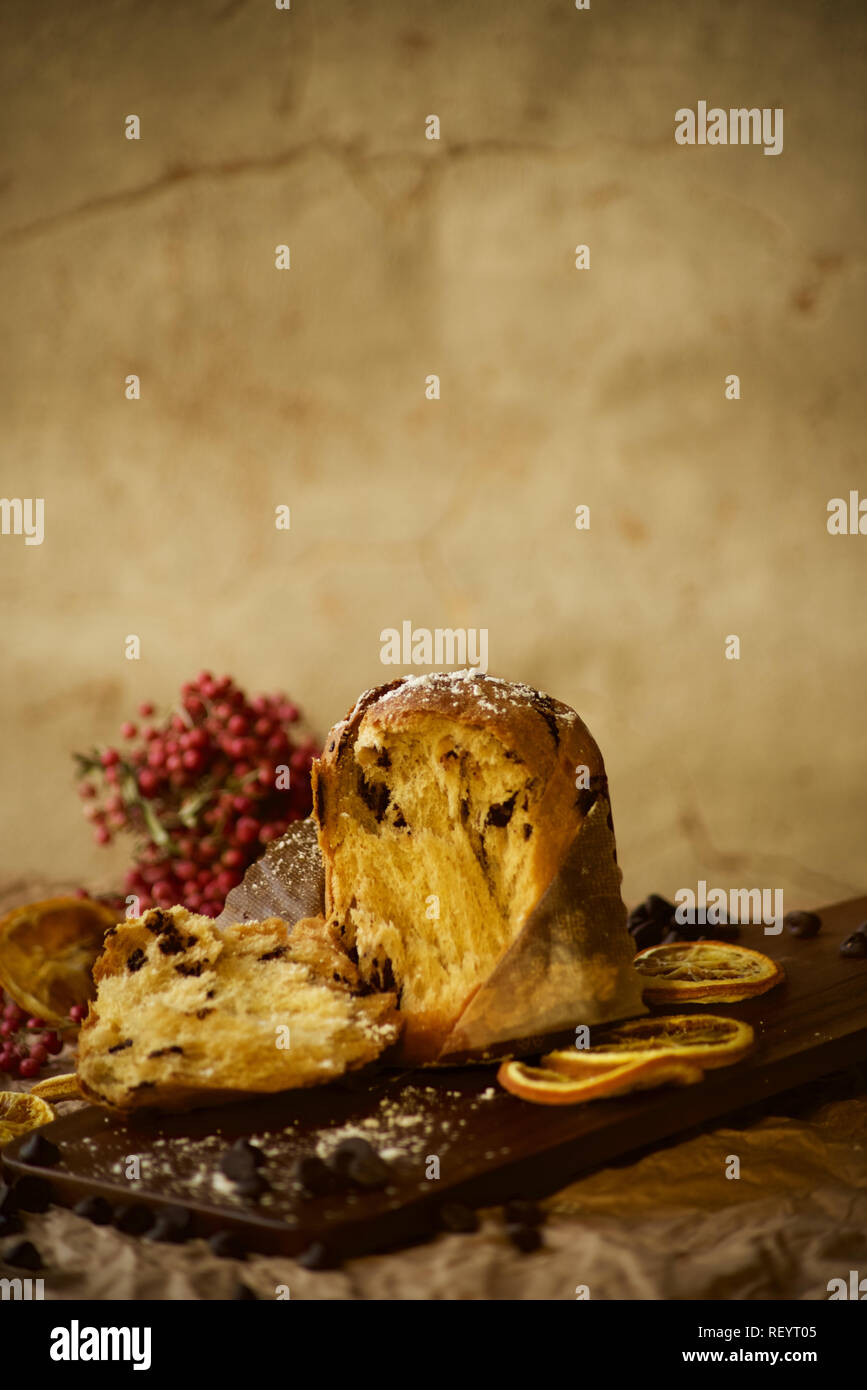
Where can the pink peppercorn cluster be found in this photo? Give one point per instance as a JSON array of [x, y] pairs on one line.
[[25, 1043], [203, 790]]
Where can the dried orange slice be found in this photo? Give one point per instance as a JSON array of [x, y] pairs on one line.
[[20, 1112], [547, 1087], [705, 1039], [47, 951], [704, 972], [63, 1087]]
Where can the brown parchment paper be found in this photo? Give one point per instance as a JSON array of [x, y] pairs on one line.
[[668, 1224]]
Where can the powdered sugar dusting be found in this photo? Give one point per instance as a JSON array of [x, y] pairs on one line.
[[492, 695]]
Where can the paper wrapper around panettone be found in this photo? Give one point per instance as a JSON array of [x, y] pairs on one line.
[[288, 881], [571, 963]]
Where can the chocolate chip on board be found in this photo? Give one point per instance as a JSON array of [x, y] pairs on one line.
[[803, 924], [241, 1160], [646, 933], [855, 946], [368, 1170], [315, 1176], [39, 1151], [659, 908], [252, 1186], [10, 1223], [347, 1151]]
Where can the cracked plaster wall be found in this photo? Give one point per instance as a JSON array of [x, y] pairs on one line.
[[411, 257]]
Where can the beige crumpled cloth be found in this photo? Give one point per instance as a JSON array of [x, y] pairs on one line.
[[667, 1225]]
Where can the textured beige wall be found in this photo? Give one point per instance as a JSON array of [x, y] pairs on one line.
[[559, 387]]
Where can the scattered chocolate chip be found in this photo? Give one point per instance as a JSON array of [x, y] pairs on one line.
[[521, 1212], [227, 1244], [119, 1047], [855, 946], [275, 954], [135, 960], [39, 1151], [525, 1238], [33, 1194], [315, 1176], [158, 922], [172, 1225], [457, 1216], [371, 1172], [659, 908], [319, 1256], [133, 1219], [646, 934], [347, 1151], [501, 814], [241, 1160], [399, 819], [252, 1186], [171, 944], [95, 1209], [803, 924], [375, 796], [23, 1255], [193, 968], [10, 1224], [242, 1292]]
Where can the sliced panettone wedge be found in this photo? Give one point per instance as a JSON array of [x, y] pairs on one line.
[[470, 864], [187, 1015]]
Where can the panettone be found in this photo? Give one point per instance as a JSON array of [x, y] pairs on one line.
[[188, 1015], [470, 865]]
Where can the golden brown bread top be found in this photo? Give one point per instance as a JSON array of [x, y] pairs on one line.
[[543, 731]]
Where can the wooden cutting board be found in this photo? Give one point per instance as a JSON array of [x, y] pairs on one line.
[[485, 1145]]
